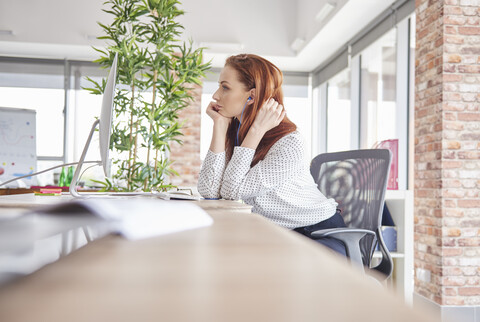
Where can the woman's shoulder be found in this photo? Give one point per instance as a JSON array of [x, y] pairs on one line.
[[293, 140]]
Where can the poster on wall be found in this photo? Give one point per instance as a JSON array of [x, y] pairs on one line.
[[18, 153]]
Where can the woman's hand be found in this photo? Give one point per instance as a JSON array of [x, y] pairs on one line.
[[212, 111], [220, 127], [269, 116]]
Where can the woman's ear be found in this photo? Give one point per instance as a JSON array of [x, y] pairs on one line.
[[251, 98]]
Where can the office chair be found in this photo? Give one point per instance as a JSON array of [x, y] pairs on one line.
[[357, 180]]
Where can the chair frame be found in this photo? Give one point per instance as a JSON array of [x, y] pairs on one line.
[[351, 236]]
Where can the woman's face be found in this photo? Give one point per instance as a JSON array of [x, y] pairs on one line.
[[231, 94]]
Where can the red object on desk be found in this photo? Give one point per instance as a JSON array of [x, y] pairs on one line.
[[39, 188], [391, 145]]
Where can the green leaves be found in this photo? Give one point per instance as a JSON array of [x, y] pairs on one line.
[[156, 74]]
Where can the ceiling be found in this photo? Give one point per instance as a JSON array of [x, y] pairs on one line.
[[67, 28]]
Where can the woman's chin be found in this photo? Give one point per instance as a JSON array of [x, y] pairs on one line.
[[222, 113]]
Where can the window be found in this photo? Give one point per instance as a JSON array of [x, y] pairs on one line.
[[378, 96], [339, 112], [297, 105], [368, 101], [38, 86], [62, 125]]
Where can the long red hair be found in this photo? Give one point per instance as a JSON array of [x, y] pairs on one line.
[[256, 72]]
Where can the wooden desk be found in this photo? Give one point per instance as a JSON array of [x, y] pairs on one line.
[[242, 268]]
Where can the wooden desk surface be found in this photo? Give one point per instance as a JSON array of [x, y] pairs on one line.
[[242, 268], [31, 200]]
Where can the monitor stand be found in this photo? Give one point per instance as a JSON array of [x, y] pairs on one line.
[[76, 175]]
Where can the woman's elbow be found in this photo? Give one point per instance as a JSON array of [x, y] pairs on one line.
[[228, 194], [207, 193]]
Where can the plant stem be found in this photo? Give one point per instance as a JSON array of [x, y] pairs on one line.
[[155, 75], [156, 161], [129, 179]]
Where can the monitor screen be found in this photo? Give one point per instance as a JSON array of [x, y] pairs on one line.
[[106, 116], [105, 124]]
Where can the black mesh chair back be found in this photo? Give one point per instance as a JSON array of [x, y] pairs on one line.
[[357, 180]]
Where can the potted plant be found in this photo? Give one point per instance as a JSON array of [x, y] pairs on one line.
[[156, 74]]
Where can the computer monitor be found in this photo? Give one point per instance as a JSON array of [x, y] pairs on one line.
[[105, 126]]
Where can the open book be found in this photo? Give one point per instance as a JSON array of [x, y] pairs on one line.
[[137, 218]]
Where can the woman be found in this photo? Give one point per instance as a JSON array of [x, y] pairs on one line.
[[257, 155]]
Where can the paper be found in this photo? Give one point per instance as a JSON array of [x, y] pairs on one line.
[[137, 218]]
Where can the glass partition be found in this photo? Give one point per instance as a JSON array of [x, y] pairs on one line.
[[378, 96], [339, 112]]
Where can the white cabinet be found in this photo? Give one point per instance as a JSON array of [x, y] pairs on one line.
[[400, 204]]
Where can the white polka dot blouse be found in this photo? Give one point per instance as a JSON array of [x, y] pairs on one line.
[[279, 187]]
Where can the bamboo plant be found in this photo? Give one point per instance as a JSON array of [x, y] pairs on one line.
[[156, 75]]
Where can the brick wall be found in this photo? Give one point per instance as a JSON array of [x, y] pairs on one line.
[[186, 157], [447, 151]]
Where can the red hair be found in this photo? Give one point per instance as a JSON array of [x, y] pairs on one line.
[[256, 72]]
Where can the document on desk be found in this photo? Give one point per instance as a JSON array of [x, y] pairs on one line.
[[137, 218]]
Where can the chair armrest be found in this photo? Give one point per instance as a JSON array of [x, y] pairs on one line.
[[334, 232], [350, 238], [386, 264]]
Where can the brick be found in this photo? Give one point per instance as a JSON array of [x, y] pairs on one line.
[[473, 281], [449, 68], [469, 203], [454, 301], [453, 39], [469, 30], [452, 78], [469, 97], [448, 242], [472, 88], [452, 96], [468, 291], [451, 251], [468, 174], [450, 87], [472, 21], [474, 3], [474, 69], [454, 232], [454, 20], [468, 262], [470, 50], [469, 117], [450, 30], [449, 203], [449, 261], [450, 291], [450, 10], [470, 79], [469, 184], [453, 281], [469, 59], [472, 155], [455, 126], [466, 11], [474, 242], [453, 145], [470, 136]]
